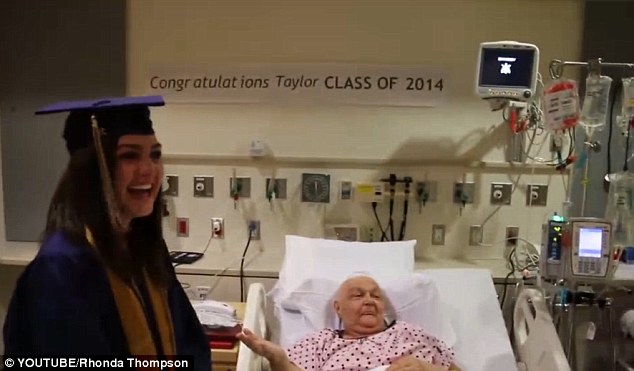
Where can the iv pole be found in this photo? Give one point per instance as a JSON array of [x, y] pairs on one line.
[[556, 69], [556, 66]]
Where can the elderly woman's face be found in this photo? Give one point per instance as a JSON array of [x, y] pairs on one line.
[[360, 305], [139, 172]]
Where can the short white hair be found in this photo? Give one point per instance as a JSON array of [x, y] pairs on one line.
[[389, 312]]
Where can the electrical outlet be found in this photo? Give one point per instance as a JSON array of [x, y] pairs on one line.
[[536, 195], [501, 193], [350, 233], [512, 233], [202, 292], [345, 190], [255, 233], [203, 186], [475, 235], [170, 186], [243, 185], [279, 187], [217, 228], [438, 234], [466, 190]]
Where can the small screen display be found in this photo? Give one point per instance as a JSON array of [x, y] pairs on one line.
[[590, 242], [511, 68]]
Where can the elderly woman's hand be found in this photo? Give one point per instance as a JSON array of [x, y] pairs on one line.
[[411, 363], [262, 347], [275, 354]]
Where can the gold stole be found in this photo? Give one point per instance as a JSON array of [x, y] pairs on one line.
[[135, 324]]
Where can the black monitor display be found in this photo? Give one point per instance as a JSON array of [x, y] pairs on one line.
[[512, 68]]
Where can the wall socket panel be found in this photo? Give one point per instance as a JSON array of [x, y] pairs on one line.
[[467, 189], [279, 186], [501, 193], [475, 235], [438, 234], [217, 228], [203, 186], [512, 233], [244, 184], [255, 234], [202, 292], [345, 190], [171, 185], [536, 195], [430, 188], [182, 227]]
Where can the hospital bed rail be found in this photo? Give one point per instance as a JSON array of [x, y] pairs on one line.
[[537, 344], [254, 320]]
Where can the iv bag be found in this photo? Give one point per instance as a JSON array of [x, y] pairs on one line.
[[595, 103], [561, 105], [619, 208]]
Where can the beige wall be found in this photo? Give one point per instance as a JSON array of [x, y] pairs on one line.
[[435, 33], [443, 33]]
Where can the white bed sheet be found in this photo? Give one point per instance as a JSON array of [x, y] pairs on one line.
[[469, 298]]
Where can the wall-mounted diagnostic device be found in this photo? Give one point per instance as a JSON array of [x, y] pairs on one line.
[[587, 250], [507, 70]]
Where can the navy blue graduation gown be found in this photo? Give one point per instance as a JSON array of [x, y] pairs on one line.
[[63, 305]]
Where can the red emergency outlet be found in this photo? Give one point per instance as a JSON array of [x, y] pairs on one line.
[[182, 227]]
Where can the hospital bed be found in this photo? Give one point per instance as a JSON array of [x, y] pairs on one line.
[[459, 306]]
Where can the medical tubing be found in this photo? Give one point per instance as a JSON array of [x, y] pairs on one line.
[[390, 224], [405, 207], [585, 182], [627, 144], [244, 253], [378, 221], [392, 181], [506, 279], [610, 129]]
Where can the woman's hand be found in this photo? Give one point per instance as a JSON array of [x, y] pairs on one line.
[[411, 363], [265, 348]]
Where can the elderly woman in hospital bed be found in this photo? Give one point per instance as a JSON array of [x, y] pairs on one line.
[[459, 307], [366, 341]]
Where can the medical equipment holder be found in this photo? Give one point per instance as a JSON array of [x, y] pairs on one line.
[[556, 66], [564, 299]]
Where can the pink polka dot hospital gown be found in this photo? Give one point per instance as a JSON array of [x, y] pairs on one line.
[[326, 350]]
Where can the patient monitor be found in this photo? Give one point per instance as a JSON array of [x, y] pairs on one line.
[[587, 252], [507, 70]]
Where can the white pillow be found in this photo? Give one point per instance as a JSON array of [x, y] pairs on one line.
[[414, 300], [309, 258]]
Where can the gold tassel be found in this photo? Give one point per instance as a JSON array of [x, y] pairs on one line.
[[106, 180]]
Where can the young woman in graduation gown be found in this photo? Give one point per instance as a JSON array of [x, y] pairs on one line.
[[102, 282]]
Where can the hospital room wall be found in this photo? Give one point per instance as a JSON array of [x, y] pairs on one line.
[[435, 33]]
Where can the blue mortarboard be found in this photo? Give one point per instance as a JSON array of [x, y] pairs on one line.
[[114, 116]]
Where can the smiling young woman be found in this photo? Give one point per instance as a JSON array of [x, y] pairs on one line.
[[102, 282]]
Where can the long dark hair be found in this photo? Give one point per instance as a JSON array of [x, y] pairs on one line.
[[78, 203]]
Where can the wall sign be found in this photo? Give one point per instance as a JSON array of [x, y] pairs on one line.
[[380, 85]]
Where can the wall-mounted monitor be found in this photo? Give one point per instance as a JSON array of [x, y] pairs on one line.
[[507, 70]]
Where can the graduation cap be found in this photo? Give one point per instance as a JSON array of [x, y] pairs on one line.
[[113, 117], [89, 120]]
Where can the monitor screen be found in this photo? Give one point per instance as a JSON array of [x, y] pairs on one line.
[[512, 68], [590, 242]]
